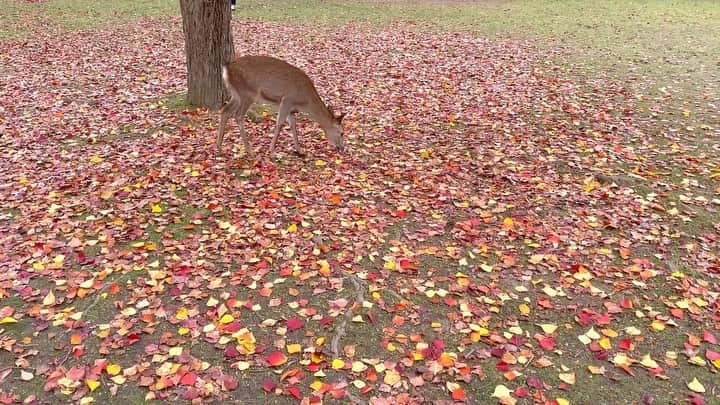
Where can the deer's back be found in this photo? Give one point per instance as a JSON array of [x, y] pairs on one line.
[[270, 78]]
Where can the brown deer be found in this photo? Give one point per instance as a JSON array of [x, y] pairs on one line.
[[251, 79]]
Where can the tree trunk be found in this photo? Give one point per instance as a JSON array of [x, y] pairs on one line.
[[208, 45]]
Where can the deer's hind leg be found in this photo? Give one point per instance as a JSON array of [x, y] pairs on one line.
[[226, 112]]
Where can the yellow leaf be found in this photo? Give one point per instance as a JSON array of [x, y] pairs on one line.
[[92, 384], [337, 364], [113, 369], [294, 348], [658, 326], [596, 369], [592, 334], [605, 343], [182, 313], [324, 267], [568, 378], [524, 309], [648, 362], [609, 333], [697, 360], [621, 359], [549, 291], [390, 265], [562, 401], [227, 318], [175, 351], [424, 153], [392, 377], [501, 391], [696, 386], [118, 379], [320, 163], [96, 159], [156, 208], [509, 224], [8, 319], [292, 228], [358, 366], [49, 299], [242, 365], [316, 385], [548, 327], [183, 331]]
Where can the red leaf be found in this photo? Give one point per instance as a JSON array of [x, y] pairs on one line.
[[268, 385], [294, 324], [709, 337], [697, 400], [534, 382], [294, 391], [188, 379], [711, 355], [76, 373], [228, 382], [547, 343], [625, 344]]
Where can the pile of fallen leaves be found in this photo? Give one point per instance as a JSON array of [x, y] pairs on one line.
[[495, 230]]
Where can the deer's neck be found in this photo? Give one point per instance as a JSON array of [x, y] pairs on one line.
[[321, 113]]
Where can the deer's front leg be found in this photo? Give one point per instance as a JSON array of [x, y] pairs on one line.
[[293, 127], [283, 111]]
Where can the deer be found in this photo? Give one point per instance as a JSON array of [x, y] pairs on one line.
[[257, 78]]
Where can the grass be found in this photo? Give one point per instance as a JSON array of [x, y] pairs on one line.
[[73, 15], [669, 43]]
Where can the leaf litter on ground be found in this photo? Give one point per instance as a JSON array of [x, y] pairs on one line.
[[486, 223]]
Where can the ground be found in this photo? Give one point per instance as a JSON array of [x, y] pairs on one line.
[[527, 212]]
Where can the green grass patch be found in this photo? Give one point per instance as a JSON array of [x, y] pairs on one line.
[[667, 41], [73, 15]]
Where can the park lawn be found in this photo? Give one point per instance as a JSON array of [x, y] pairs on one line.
[[581, 205]]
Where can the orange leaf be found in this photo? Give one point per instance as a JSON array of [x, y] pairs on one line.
[[446, 360], [276, 359], [76, 339]]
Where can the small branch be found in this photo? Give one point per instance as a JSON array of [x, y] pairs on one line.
[[339, 333], [340, 330]]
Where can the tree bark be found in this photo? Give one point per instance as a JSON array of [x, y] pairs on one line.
[[208, 45]]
